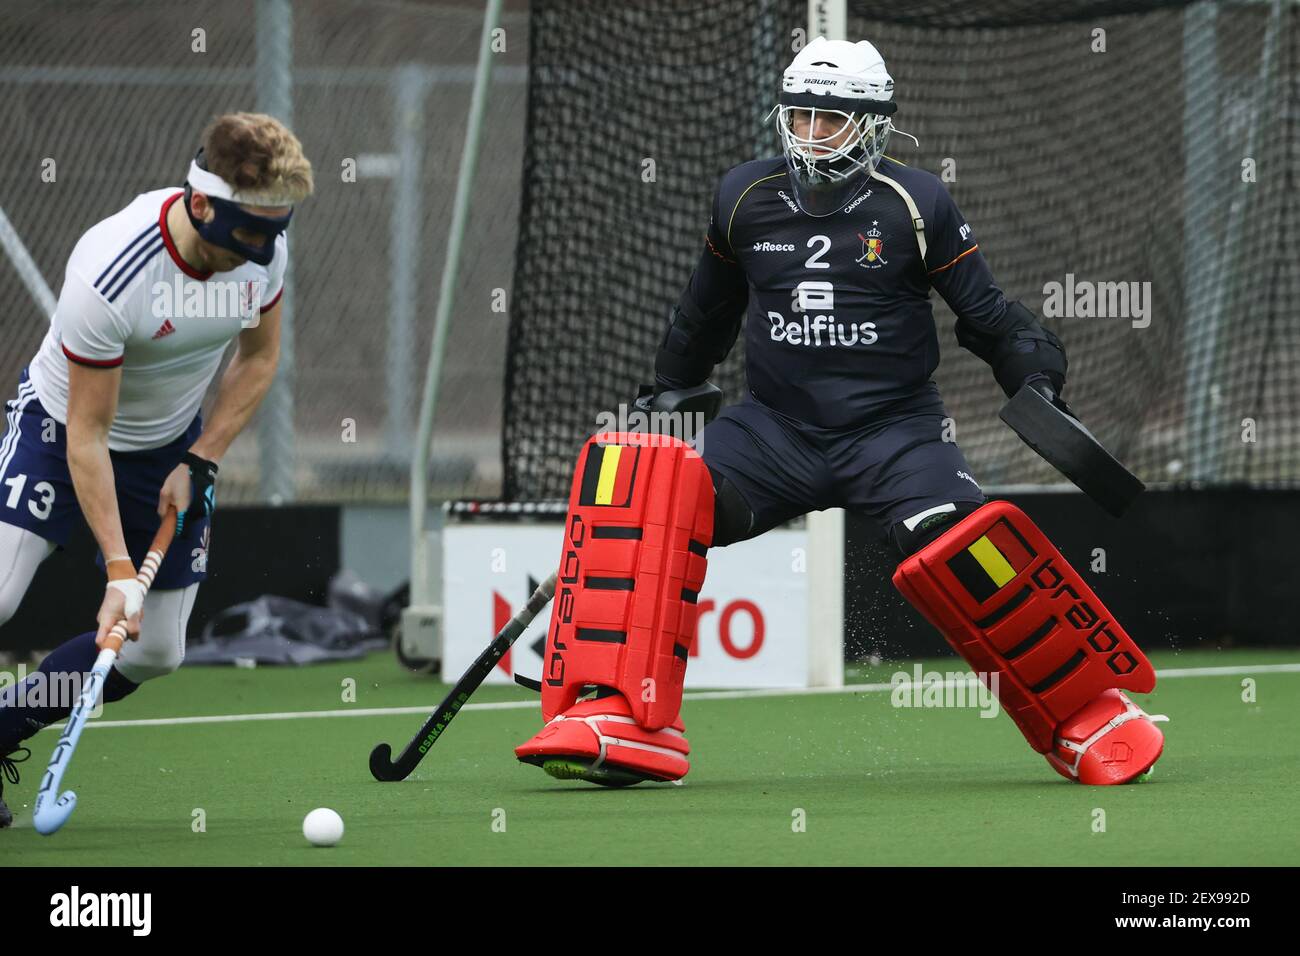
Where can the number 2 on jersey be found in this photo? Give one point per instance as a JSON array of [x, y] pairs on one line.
[[814, 261]]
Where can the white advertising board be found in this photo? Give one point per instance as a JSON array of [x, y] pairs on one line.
[[753, 622]]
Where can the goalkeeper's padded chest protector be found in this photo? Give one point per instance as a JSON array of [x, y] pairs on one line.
[[1010, 605]]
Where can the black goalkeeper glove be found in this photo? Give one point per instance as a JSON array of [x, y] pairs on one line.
[[1020, 352]]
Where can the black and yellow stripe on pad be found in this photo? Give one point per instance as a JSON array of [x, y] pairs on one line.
[[988, 564], [608, 475]]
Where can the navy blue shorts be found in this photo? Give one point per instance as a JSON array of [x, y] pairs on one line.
[[895, 467], [36, 490]]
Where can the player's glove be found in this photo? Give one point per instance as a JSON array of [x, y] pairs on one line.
[[203, 481]]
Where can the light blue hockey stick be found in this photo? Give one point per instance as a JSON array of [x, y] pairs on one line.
[[48, 813]]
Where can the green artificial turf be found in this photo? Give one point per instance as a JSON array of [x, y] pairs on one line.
[[871, 783]]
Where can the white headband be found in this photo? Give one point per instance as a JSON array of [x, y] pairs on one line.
[[211, 184]]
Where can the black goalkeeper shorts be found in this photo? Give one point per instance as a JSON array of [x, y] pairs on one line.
[[895, 466]]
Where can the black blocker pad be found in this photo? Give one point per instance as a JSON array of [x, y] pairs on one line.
[[1071, 449]]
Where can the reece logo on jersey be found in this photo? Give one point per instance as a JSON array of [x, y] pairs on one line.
[[822, 328], [212, 299]]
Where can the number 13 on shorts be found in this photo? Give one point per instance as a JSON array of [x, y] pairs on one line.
[[43, 496]]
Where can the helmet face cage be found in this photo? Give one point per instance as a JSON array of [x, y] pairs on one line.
[[860, 149], [826, 176]]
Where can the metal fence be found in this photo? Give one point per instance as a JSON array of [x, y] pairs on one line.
[[101, 101]]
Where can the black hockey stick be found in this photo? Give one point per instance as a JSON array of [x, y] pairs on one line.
[[381, 762]]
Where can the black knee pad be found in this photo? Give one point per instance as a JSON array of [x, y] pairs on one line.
[[910, 540], [733, 519]]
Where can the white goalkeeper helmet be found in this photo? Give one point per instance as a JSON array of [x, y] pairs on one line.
[[834, 119]]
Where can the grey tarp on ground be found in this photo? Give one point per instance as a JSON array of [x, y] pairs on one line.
[[279, 630]]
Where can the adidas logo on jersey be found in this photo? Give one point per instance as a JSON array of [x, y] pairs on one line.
[[165, 329]]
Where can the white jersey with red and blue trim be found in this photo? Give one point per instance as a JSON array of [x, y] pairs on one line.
[[129, 299]]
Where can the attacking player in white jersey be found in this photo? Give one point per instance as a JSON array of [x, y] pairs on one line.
[[106, 426]]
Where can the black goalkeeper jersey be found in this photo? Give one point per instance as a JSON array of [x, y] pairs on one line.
[[839, 322]]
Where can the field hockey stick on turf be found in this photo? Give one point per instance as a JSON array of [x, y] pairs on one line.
[[381, 758], [49, 814]]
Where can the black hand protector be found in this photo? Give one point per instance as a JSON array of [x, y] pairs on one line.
[[1020, 348], [203, 479]]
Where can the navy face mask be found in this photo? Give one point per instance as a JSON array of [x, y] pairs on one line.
[[228, 216]]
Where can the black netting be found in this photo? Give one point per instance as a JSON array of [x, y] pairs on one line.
[[1002, 13], [1086, 142], [674, 93]]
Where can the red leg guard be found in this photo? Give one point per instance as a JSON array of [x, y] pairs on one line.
[[1007, 602], [631, 568]]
